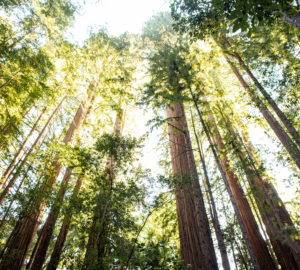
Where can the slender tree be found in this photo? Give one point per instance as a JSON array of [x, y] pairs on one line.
[[38, 255], [24, 160], [284, 138], [26, 227], [214, 214], [8, 170], [61, 238]]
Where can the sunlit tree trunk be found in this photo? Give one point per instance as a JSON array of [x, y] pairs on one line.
[[288, 125], [214, 214], [38, 255], [195, 238], [21, 164], [18, 153], [262, 254], [286, 141], [29, 220]]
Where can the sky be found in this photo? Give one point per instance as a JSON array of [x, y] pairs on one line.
[[118, 16]]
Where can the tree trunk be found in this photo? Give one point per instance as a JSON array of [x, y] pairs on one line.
[[59, 244], [39, 252], [22, 163], [28, 223], [289, 145], [7, 172], [230, 193], [278, 224], [195, 238], [288, 125], [214, 214], [38, 255]]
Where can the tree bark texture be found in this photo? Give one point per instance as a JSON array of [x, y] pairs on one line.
[[40, 249], [29, 220], [214, 214], [60, 241], [259, 245], [195, 237], [276, 219]]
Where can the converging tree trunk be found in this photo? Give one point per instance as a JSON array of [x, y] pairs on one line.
[[38, 255], [197, 250], [24, 160], [285, 121], [60, 241], [214, 214], [259, 245], [26, 227], [286, 141], [18, 153]]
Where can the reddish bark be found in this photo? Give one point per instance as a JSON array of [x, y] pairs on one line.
[[40, 249], [26, 228], [259, 246], [59, 244], [213, 209], [195, 238]]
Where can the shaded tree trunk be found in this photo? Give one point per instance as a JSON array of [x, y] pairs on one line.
[[7, 172], [22, 163], [29, 220], [230, 193], [286, 141], [195, 238], [40, 249], [59, 244], [214, 214]]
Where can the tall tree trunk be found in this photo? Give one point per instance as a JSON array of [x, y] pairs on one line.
[[289, 145], [38, 255], [29, 220], [230, 193], [195, 238], [214, 214], [276, 219], [22, 163], [288, 125], [7, 172], [98, 232], [60, 241], [40, 249], [258, 243]]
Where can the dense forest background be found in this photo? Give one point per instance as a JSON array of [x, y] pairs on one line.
[[211, 181]]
